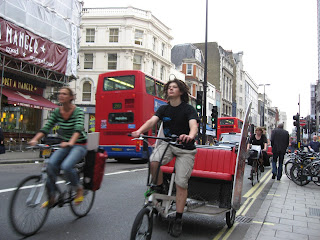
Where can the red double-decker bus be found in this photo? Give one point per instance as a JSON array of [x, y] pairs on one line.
[[124, 101], [229, 124]]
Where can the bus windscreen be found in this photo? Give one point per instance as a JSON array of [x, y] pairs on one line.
[[119, 83], [226, 122]]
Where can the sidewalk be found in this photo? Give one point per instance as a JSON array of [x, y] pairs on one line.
[[288, 212], [20, 157]]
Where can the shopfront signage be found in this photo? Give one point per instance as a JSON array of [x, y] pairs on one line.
[[11, 83], [27, 46]]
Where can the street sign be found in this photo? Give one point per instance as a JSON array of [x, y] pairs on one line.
[[303, 122]]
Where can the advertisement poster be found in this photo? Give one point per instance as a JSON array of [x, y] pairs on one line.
[[92, 123]]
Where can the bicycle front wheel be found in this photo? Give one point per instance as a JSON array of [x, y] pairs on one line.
[[287, 166], [258, 173], [297, 176], [25, 212], [142, 225], [83, 208]]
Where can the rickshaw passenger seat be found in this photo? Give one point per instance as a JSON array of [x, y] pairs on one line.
[[211, 163]]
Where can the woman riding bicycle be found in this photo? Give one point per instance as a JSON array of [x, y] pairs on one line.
[[259, 139], [70, 120]]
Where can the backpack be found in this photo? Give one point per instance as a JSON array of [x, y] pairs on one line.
[[94, 169]]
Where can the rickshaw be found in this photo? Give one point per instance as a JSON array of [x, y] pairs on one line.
[[214, 188]]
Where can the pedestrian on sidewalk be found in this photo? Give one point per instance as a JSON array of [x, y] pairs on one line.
[[279, 143], [314, 144]]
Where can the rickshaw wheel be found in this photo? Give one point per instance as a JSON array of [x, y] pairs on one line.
[[230, 217], [142, 225]]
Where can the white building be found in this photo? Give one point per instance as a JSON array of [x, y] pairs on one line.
[[251, 95], [119, 39], [240, 85]]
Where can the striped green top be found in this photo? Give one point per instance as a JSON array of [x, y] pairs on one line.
[[67, 127]]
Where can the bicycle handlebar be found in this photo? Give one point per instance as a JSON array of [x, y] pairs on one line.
[[43, 146]]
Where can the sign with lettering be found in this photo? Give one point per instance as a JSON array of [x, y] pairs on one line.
[[27, 46]]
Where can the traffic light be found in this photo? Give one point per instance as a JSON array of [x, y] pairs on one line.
[[313, 125], [199, 103], [214, 117], [297, 120]]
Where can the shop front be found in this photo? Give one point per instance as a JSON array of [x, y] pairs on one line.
[[22, 106]]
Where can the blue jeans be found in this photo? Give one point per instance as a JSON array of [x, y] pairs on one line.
[[65, 159], [277, 171]]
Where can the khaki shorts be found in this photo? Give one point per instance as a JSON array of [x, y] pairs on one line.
[[184, 161]]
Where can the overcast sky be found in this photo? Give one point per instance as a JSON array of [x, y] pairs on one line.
[[278, 39]]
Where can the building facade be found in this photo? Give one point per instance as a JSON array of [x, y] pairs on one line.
[[38, 54], [119, 39]]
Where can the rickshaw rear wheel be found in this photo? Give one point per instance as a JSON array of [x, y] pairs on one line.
[[230, 217]]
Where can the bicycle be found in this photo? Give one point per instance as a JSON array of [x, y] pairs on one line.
[[27, 215], [302, 174], [254, 156]]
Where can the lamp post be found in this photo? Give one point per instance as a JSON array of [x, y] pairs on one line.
[[204, 106], [264, 99]]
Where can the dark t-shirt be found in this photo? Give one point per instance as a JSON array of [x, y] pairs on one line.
[[176, 120], [260, 142], [315, 146]]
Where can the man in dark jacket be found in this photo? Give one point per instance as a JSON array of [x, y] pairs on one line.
[[279, 143]]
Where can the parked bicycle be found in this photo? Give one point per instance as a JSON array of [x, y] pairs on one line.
[[26, 213], [302, 173]]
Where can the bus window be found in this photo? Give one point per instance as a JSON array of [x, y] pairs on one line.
[[118, 83], [159, 88], [240, 123], [226, 122], [150, 86], [124, 117]]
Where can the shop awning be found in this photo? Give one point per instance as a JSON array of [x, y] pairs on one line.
[[27, 99]]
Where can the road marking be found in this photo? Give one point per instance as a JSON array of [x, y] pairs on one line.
[[126, 171], [265, 223], [253, 189], [251, 197], [25, 187], [59, 182]]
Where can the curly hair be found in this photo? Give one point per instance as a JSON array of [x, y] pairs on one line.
[[184, 89]]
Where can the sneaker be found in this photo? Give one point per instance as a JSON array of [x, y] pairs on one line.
[[274, 176], [154, 189], [176, 228]]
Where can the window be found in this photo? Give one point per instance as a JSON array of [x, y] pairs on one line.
[[86, 91], [153, 69], [154, 40], [150, 86], [90, 34], [88, 61], [138, 35], [240, 88], [137, 62], [118, 83], [240, 100], [162, 49], [162, 73], [114, 35], [160, 88], [112, 61], [189, 69]]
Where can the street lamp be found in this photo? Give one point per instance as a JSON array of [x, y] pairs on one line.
[[264, 99]]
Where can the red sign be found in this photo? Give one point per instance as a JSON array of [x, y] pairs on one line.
[[27, 46], [303, 122]]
